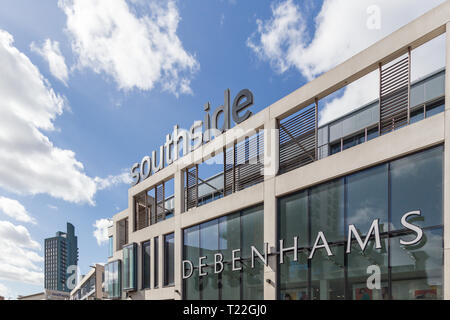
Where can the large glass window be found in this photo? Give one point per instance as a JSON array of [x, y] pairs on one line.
[[416, 184], [169, 259], [327, 210], [238, 231], [110, 246], [113, 279], [146, 265], [327, 275], [371, 270], [129, 267], [417, 269], [156, 262], [435, 108], [358, 265], [293, 219], [229, 240], [367, 198]]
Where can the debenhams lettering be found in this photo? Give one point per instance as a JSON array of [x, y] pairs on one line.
[[199, 133], [320, 243]]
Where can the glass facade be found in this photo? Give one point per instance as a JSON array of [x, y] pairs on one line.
[[113, 278], [156, 262], [239, 230], [389, 271], [110, 246], [129, 267], [169, 260], [146, 265]]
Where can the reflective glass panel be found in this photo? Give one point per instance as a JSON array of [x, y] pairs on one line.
[[367, 198], [416, 184], [417, 269], [327, 210]]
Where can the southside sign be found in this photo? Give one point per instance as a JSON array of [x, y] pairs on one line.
[[200, 132]]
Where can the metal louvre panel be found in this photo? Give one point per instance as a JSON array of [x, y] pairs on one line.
[[159, 199], [249, 162], [228, 171], [151, 209], [395, 91], [298, 140], [191, 190], [142, 212]]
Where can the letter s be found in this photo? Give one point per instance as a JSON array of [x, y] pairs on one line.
[[135, 175], [412, 227]]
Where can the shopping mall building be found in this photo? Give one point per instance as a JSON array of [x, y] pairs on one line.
[[278, 207]]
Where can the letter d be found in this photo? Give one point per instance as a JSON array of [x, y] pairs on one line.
[[191, 267]]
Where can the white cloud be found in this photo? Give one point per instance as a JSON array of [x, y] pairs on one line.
[[29, 162], [281, 37], [15, 209], [6, 292], [341, 31], [101, 230], [110, 181], [18, 256], [52, 54], [137, 51]]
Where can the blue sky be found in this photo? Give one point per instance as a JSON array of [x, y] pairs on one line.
[[122, 78]]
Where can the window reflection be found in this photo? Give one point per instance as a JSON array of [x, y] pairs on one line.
[[240, 230], [327, 210], [294, 277], [361, 265], [169, 260], [417, 270], [146, 265], [293, 218], [327, 275], [385, 192], [367, 198], [129, 267], [416, 184]]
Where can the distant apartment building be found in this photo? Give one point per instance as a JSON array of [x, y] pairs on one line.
[[91, 285], [61, 252]]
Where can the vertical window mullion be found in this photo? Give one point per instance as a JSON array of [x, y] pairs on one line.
[[389, 232], [308, 210], [346, 287]]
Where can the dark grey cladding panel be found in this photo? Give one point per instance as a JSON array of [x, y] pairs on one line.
[[323, 151], [355, 122], [417, 95], [435, 87], [322, 136], [425, 89], [428, 89]]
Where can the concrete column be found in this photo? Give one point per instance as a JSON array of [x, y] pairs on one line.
[[178, 234], [131, 215], [178, 184], [271, 148], [447, 171], [270, 236]]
